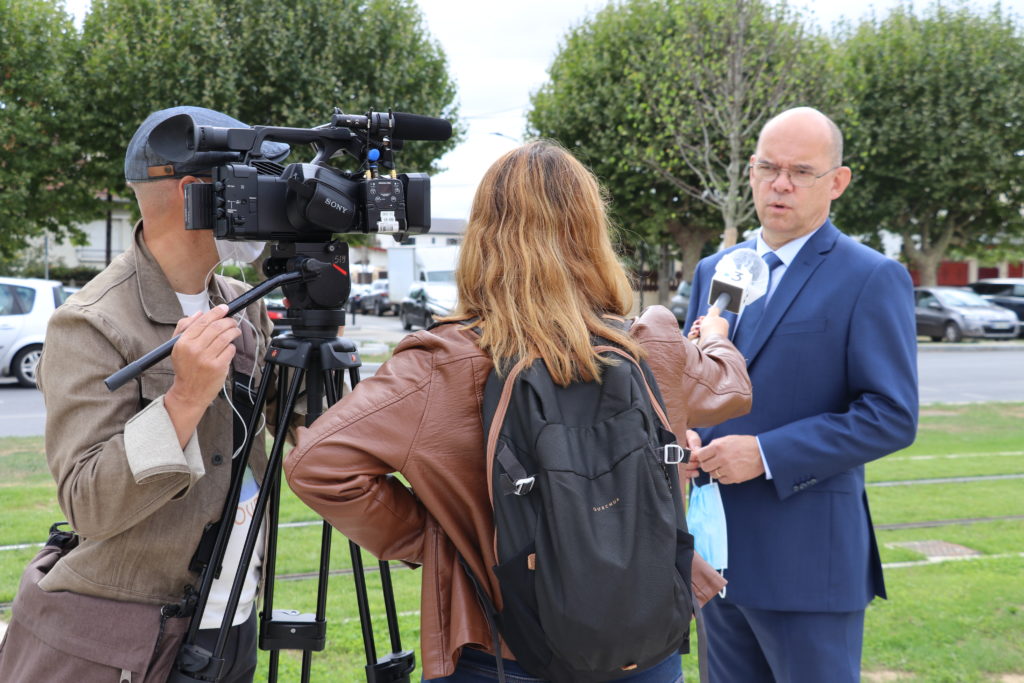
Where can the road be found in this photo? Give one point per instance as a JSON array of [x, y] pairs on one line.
[[949, 373], [970, 375]]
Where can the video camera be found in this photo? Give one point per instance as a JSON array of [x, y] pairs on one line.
[[301, 206], [258, 199]]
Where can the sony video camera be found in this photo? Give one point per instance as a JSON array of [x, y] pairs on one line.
[[299, 207], [258, 199]]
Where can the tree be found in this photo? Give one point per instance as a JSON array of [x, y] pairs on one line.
[[267, 62], [665, 98], [585, 106], [39, 156], [935, 131], [71, 101], [717, 72]]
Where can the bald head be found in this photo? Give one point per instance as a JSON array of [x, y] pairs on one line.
[[812, 121], [796, 174]]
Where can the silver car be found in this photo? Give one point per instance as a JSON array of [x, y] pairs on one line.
[[680, 303], [950, 314], [26, 305]]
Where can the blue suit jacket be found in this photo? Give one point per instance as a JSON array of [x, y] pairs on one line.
[[834, 371]]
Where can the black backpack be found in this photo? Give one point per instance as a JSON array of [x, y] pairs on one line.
[[591, 540]]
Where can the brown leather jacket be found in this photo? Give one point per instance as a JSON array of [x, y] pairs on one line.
[[421, 415]]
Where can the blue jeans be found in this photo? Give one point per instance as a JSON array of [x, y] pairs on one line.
[[475, 666]]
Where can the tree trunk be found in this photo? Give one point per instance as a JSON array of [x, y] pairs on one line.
[[664, 274], [729, 236], [928, 270], [691, 240], [927, 257]]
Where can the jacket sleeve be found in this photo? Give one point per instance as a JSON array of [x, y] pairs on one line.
[[104, 489], [341, 466], [701, 386], [881, 371]]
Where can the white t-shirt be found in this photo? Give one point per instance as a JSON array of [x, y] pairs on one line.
[[220, 590]]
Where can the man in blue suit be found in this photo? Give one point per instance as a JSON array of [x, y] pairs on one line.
[[832, 357]]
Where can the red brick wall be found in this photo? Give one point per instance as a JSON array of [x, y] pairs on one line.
[[955, 273]]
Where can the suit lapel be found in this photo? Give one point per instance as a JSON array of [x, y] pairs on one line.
[[793, 280]]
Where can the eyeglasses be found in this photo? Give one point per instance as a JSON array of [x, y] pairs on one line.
[[800, 177]]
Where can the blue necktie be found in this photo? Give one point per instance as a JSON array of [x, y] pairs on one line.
[[752, 314]]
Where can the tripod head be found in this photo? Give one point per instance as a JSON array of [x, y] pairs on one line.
[[315, 305], [315, 278]]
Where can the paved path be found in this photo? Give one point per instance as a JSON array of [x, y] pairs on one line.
[[949, 373]]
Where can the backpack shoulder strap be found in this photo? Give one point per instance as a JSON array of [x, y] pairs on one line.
[[498, 420], [658, 408]]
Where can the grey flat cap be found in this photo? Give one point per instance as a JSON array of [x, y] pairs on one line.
[[142, 163]]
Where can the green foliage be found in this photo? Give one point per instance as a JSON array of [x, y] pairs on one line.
[[934, 130], [72, 276], [585, 105], [664, 100], [72, 100], [267, 62], [716, 73], [40, 160]]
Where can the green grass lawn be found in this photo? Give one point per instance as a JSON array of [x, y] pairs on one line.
[[948, 621]]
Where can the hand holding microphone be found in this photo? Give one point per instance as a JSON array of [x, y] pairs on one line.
[[709, 324], [741, 277]]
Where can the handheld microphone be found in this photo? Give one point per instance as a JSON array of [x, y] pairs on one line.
[[741, 277]]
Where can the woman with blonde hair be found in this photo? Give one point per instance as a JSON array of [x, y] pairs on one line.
[[537, 278]]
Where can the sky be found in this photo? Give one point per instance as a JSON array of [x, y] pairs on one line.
[[498, 53]]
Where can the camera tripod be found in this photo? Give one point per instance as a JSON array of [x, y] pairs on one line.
[[312, 355]]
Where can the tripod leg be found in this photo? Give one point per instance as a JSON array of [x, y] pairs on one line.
[[195, 663], [286, 629], [389, 606], [363, 603]]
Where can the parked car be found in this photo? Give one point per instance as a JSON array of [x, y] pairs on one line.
[[1007, 292], [378, 301], [357, 298], [425, 301], [26, 305], [680, 303], [951, 313], [277, 310]]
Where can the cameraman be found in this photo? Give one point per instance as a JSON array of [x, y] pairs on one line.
[[141, 472]]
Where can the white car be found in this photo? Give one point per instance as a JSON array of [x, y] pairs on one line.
[[427, 300], [26, 305]]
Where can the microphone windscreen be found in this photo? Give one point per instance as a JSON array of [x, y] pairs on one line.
[[419, 127]]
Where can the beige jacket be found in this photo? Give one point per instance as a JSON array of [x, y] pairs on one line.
[[421, 415], [138, 500]]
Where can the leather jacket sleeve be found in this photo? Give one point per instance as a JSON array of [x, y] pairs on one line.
[[702, 386]]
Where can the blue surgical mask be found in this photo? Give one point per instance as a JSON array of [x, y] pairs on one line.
[[705, 518]]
